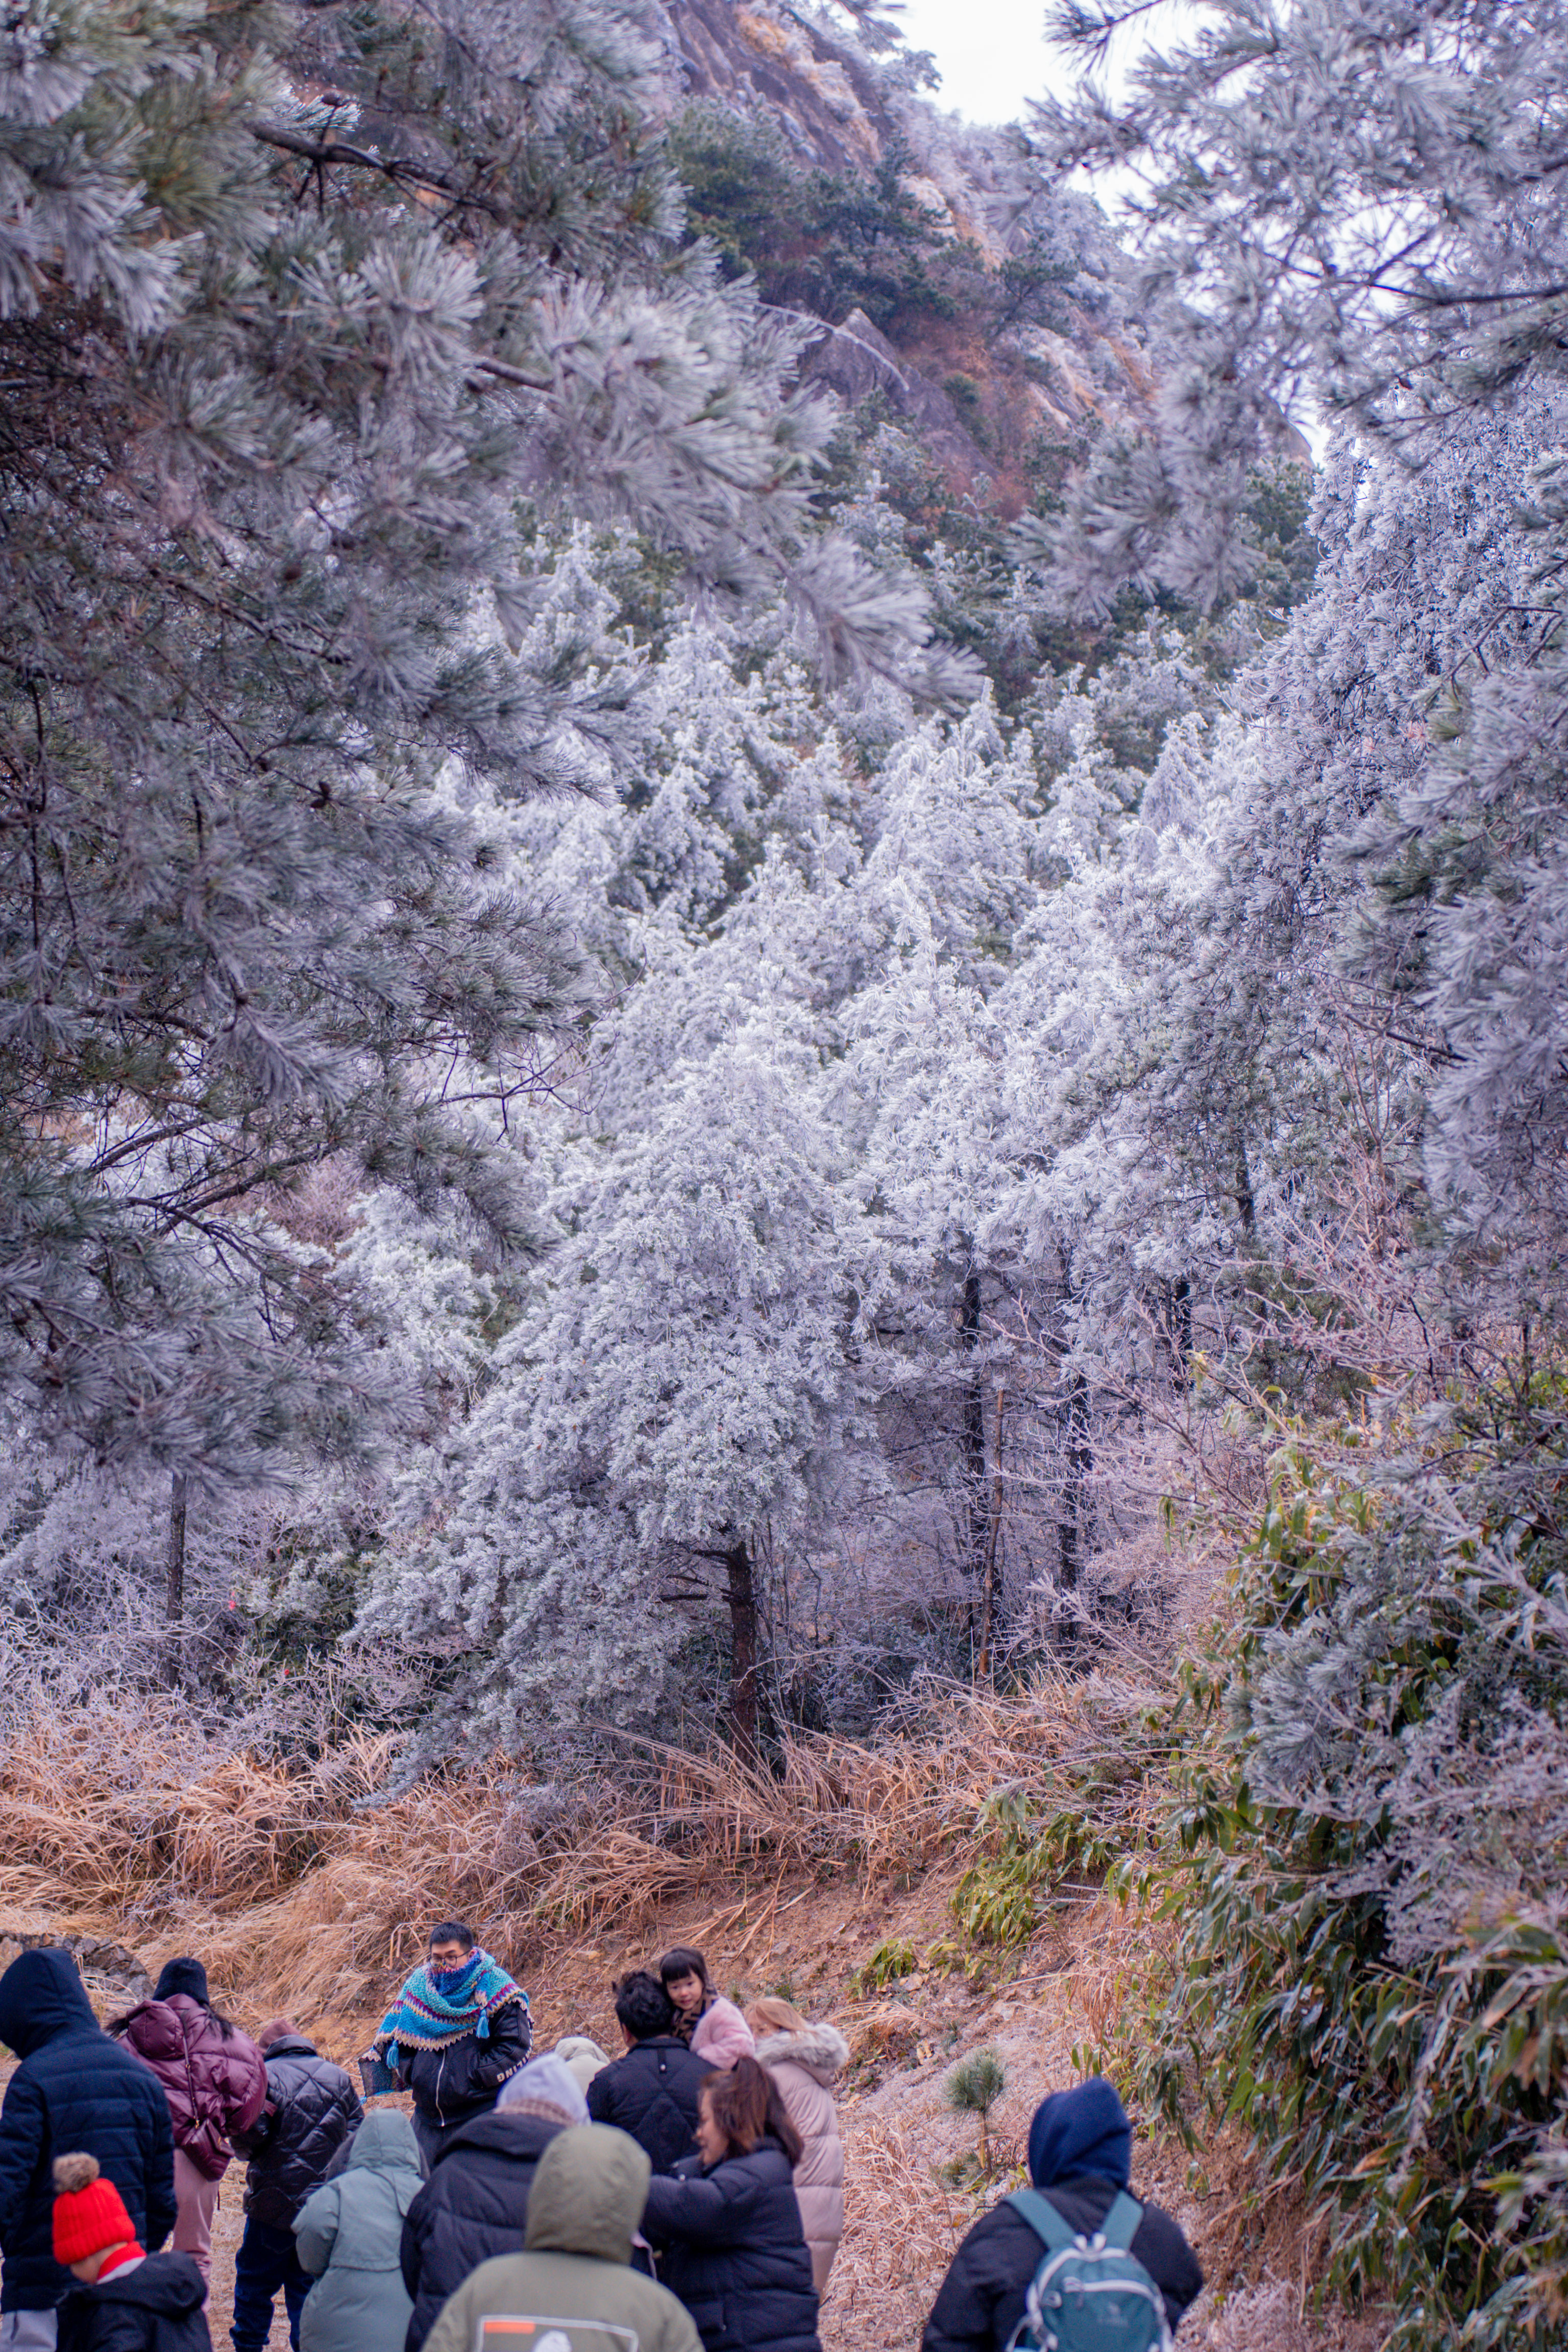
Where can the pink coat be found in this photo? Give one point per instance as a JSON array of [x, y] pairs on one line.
[[214, 2082], [721, 2036], [804, 2065]]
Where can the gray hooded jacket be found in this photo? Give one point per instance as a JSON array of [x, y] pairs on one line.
[[347, 2233]]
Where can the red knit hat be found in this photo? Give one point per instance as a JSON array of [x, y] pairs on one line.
[[90, 2213]]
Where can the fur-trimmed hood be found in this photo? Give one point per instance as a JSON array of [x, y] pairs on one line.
[[821, 2049]]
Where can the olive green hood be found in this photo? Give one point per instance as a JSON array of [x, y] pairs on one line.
[[587, 2194]]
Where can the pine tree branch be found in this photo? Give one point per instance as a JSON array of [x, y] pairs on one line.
[[320, 153]]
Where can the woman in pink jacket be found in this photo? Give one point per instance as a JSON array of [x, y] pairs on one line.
[[804, 2061], [712, 2027], [214, 2080]]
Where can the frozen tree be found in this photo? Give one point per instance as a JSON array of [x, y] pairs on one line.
[[675, 1404], [1469, 849], [1350, 205], [295, 307]]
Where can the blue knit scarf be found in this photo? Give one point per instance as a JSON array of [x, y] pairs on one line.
[[438, 2006]]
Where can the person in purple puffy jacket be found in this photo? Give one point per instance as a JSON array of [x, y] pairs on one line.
[[214, 2080]]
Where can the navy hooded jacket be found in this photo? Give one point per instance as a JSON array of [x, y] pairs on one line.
[[734, 2251], [75, 2089], [474, 2206], [1080, 2149]]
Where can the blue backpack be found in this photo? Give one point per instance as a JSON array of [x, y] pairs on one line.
[[1089, 2295]]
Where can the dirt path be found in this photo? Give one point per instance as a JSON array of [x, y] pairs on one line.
[[904, 2216]]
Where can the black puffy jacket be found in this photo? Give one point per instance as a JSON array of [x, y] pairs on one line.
[[474, 2205], [734, 2251], [980, 2300], [652, 2094], [455, 2084], [156, 2307], [311, 2109], [74, 2090]]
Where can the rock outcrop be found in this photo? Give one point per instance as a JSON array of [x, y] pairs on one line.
[[855, 360], [842, 110], [746, 53]]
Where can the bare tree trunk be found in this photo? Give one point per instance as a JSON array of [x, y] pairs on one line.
[[990, 1612], [1182, 1323], [1079, 1462], [1246, 1204], [1256, 1305], [974, 1447], [742, 1595], [176, 1608]]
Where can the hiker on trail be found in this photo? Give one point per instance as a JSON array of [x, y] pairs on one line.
[[215, 2081], [311, 2109], [75, 2090], [653, 2092], [727, 2221], [1080, 2149], [475, 2203], [347, 2235], [583, 2056], [804, 2061], [125, 2299], [458, 2028], [707, 2023], [574, 2278]]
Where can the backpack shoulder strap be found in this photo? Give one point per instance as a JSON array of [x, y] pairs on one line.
[[1042, 2217], [1120, 2226]]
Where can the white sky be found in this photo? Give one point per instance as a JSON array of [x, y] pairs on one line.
[[993, 54]]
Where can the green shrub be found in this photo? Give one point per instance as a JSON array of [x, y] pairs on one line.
[[821, 241], [972, 2088], [1366, 1873], [997, 1900], [887, 1964]]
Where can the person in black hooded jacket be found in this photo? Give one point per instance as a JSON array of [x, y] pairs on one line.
[[311, 2109], [727, 2222], [1080, 2154], [74, 2090], [652, 2093], [474, 2206]]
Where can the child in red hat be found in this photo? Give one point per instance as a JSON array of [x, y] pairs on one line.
[[128, 2300]]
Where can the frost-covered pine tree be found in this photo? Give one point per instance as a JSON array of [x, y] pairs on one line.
[[297, 308], [679, 1400], [1345, 205]]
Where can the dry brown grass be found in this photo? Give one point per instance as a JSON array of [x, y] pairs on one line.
[[132, 1819], [900, 2231]]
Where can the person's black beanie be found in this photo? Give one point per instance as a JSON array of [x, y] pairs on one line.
[[186, 1976]]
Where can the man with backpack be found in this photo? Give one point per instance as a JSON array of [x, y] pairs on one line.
[[1074, 2264]]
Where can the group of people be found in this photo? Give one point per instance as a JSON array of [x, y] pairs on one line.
[[686, 2195]]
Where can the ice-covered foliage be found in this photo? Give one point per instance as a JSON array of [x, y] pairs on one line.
[[1347, 206], [1391, 1711], [681, 1393], [298, 308]]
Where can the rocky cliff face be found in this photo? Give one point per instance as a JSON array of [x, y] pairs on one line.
[[761, 53], [836, 108], [847, 111]]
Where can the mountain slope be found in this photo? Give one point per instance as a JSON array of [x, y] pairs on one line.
[[979, 308]]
